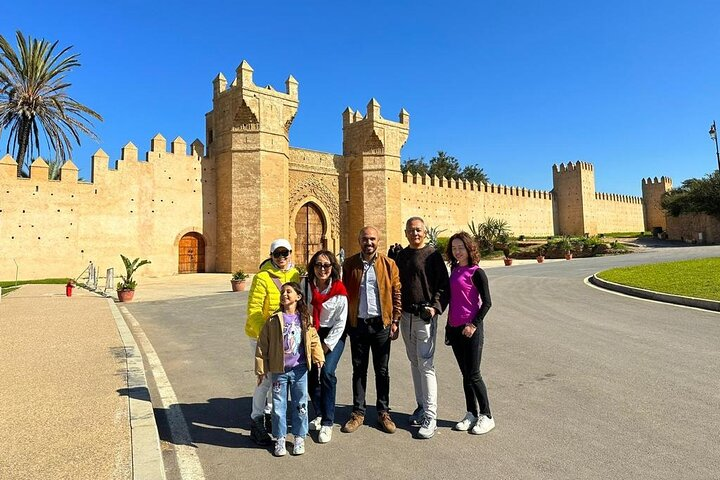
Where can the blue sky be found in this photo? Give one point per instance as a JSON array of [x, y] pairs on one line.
[[631, 86]]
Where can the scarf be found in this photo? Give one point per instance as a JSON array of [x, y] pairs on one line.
[[318, 298]]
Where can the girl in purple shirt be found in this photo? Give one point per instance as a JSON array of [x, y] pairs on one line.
[[469, 303]]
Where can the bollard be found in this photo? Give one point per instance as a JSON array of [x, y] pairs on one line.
[[69, 288]]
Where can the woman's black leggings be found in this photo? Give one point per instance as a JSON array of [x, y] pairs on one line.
[[468, 352]]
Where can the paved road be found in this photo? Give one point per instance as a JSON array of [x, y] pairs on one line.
[[583, 383]]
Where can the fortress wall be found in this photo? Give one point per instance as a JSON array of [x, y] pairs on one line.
[[618, 213], [139, 209], [451, 205], [687, 227]]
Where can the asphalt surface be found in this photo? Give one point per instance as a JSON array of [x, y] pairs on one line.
[[583, 383]]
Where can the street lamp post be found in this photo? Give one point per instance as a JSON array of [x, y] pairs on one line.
[[713, 135]]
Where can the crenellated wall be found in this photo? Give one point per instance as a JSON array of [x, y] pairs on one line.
[[53, 228], [252, 187], [451, 205], [618, 213]]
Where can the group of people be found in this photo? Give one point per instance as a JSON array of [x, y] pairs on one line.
[[298, 329]]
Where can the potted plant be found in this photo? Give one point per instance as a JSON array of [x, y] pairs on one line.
[[238, 281], [540, 252], [126, 287], [566, 244], [506, 256]]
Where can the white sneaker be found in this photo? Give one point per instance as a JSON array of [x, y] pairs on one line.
[[280, 447], [427, 428], [417, 417], [325, 434], [315, 424], [466, 423], [299, 446], [483, 425]]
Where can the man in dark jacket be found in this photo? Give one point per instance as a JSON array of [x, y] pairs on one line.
[[373, 285], [425, 294]]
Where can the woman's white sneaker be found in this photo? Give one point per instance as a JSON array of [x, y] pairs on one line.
[[483, 425], [299, 446], [325, 434], [466, 423], [280, 447], [315, 424]]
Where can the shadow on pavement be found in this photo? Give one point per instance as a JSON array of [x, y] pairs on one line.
[[213, 422]]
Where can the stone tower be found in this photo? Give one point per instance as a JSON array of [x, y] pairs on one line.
[[371, 151], [574, 197], [247, 136], [652, 192]]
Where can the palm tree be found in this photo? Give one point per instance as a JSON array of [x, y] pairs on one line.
[[34, 100]]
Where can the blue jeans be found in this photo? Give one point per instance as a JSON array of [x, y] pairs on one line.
[[296, 379], [322, 390]]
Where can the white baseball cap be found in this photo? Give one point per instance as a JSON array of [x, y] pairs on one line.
[[280, 243]]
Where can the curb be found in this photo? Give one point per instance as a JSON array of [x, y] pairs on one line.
[[702, 303], [147, 462]]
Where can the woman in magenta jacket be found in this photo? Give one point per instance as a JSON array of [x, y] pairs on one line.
[[469, 303]]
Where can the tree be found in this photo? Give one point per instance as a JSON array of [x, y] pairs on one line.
[[34, 101], [473, 173], [444, 166], [416, 166], [694, 196]]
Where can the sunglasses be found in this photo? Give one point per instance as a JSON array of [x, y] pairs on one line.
[[281, 253], [323, 266]]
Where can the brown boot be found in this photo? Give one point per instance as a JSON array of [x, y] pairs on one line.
[[356, 420], [386, 422]]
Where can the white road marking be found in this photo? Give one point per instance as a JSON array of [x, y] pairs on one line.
[[185, 453]]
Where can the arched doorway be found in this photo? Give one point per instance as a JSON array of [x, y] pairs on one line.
[[191, 253], [309, 233]]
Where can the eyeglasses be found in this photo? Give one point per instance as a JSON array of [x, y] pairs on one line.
[[281, 253], [323, 266]]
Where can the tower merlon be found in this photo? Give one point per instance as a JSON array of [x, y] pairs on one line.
[[373, 110], [129, 152], [8, 166], [404, 117], [244, 74], [219, 85], [69, 172], [158, 144], [39, 169], [347, 116], [291, 86], [178, 146], [197, 148]]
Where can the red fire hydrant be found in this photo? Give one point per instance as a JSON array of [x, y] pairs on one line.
[[69, 288]]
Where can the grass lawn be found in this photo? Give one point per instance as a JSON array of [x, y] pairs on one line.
[[690, 278], [9, 286]]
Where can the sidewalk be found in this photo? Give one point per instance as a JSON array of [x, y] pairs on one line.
[[63, 387]]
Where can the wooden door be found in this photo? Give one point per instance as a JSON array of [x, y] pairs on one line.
[[191, 253], [310, 233]]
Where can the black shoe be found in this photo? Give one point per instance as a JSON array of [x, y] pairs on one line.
[[258, 432], [268, 422]]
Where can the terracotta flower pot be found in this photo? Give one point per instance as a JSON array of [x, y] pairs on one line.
[[238, 285], [125, 295], [540, 259], [508, 261], [568, 256]]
